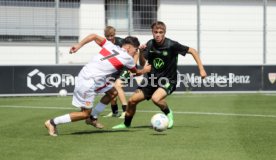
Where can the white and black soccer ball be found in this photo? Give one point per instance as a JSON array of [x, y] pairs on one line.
[[159, 122], [63, 92]]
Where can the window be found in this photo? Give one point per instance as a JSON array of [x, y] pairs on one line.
[[34, 20], [41, 3], [144, 13], [117, 14]]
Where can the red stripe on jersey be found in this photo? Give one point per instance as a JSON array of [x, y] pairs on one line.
[[105, 52], [103, 42], [113, 60]]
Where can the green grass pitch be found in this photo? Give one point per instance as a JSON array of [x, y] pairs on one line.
[[207, 127]]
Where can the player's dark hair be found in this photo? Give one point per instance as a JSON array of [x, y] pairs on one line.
[[158, 24], [132, 41]]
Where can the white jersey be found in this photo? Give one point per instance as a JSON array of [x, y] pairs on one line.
[[109, 60]]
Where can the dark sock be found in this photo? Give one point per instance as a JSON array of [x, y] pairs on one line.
[[128, 120], [166, 110], [52, 122], [92, 118], [114, 109], [124, 108]]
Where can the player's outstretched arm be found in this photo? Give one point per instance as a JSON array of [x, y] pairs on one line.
[[195, 55], [92, 37], [138, 72]]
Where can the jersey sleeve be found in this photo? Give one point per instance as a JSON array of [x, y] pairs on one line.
[[180, 49], [106, 44], [130, 64], [103, 43]]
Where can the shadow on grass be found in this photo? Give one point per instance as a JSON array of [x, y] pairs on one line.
[[142, 126], [155, 133], [131, 129], [99, 131], [188, 126], [159, 133]]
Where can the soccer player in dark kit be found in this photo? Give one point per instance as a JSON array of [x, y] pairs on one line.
[[162, 53]]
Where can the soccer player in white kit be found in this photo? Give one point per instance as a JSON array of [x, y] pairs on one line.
[[92, 79]]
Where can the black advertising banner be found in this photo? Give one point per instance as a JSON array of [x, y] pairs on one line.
[[44, 79], [220, 78], [6, 80], [51, 79], [269, 78]]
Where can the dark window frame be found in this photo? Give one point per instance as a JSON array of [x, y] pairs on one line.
[[147, 14]]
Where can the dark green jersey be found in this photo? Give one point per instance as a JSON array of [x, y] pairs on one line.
[[163, 59], [118, 41]]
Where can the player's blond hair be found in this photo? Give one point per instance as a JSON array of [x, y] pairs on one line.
[[109, 30], [158, 25]]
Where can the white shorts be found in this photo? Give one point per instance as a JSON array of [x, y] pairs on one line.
[[85, 92]]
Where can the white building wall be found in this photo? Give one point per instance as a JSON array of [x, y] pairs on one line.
[[181, 20], [92, 20], [22, 55], [231, 33], [28, 21], [271, 33]]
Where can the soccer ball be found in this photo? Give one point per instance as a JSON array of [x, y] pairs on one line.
[[63, 92], [159, 122]]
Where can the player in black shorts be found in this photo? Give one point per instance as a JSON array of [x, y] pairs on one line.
[[118, 77], [162, 54]]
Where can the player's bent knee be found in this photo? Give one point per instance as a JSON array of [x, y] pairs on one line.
[[132, 102], [113, 94], [155, 100]]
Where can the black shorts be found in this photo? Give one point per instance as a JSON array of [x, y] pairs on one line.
[[115, 76], [122, 74], [148, 89]]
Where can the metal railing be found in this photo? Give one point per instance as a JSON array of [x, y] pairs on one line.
[[58, 22]]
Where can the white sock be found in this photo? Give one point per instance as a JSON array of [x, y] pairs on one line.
[[62, 119], [97, 110]]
